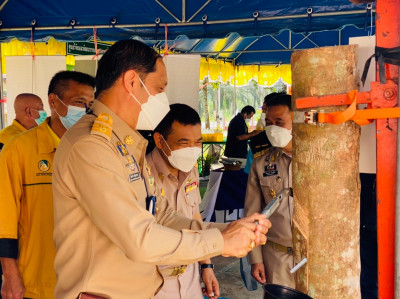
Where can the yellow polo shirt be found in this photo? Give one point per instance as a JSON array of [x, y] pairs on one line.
[[26, 208], [9, 132]]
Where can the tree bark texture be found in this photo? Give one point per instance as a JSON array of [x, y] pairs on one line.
[[205, 103], [326, 181]]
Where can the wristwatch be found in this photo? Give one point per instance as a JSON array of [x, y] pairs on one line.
[[204, 266]]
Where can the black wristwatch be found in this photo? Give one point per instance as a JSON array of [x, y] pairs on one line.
[[204, 266]]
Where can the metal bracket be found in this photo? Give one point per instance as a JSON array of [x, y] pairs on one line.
[[307, 117]]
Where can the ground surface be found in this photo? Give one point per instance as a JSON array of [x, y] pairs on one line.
[[227, 271]]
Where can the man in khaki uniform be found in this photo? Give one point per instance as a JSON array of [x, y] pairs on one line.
[[110, 229], [270, 173], [174, 166], [29, 113]]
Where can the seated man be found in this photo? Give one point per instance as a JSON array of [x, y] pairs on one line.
[[174, 165], [269, 174], [238, 134]]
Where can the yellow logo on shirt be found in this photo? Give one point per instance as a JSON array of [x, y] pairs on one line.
[[44, 165]]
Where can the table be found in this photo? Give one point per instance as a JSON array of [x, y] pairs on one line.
[[224, 198]]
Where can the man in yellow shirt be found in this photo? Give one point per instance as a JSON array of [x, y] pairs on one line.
[[27, 250], [29, 113]]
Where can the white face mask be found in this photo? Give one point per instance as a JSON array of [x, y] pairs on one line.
[[73, 115], [247, 120], [262, 119], [278, 136], [153, 111], [183, 159]]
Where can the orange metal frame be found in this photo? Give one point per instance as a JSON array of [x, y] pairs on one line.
[[383, 97], [387, 36]]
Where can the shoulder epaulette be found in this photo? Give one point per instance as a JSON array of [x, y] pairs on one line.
[[261, 153], [102, 126]]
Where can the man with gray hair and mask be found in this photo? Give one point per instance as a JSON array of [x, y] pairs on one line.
[[270, 172], [29, 113]]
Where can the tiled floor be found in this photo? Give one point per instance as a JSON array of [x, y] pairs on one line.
[[231, 283]]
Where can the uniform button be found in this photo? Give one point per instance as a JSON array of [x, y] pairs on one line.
[[128, 140]]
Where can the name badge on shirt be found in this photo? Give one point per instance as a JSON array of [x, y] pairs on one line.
[[134, 177], [190, 187], [270, 173]]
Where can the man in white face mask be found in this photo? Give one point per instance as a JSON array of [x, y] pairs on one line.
[[106, 204], [174, 163], [260, 142], [271, 172]]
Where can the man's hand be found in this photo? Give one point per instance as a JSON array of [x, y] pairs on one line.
[[13, 286], [258, 272], [261, 228], [211, 289], [243, 235]]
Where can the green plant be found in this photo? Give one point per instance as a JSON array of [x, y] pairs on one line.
[[207, 161]]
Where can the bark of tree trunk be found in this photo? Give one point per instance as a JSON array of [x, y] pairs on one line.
[[205, 104], [326, 181]]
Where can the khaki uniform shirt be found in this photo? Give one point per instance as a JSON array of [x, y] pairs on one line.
[[107, 242], [183, 195], [9, 132], [269, 174]]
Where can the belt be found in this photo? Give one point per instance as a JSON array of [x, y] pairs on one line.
[[176, 271], [279, 247]]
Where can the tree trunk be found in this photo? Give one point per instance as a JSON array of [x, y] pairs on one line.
[[326, 181], [205, 103]]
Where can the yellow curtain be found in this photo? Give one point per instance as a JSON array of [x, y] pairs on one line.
[[217, 70], [266, 75], [18, 48]]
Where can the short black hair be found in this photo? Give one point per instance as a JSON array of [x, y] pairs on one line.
[[181, 113], [60, 81], [268, 97], [248, 110], [281, 100], [123, 56]]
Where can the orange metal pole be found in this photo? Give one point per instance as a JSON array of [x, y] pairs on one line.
[[387, 36]]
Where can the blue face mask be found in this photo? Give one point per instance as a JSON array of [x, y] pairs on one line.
[[73, 115], [41, 118]]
